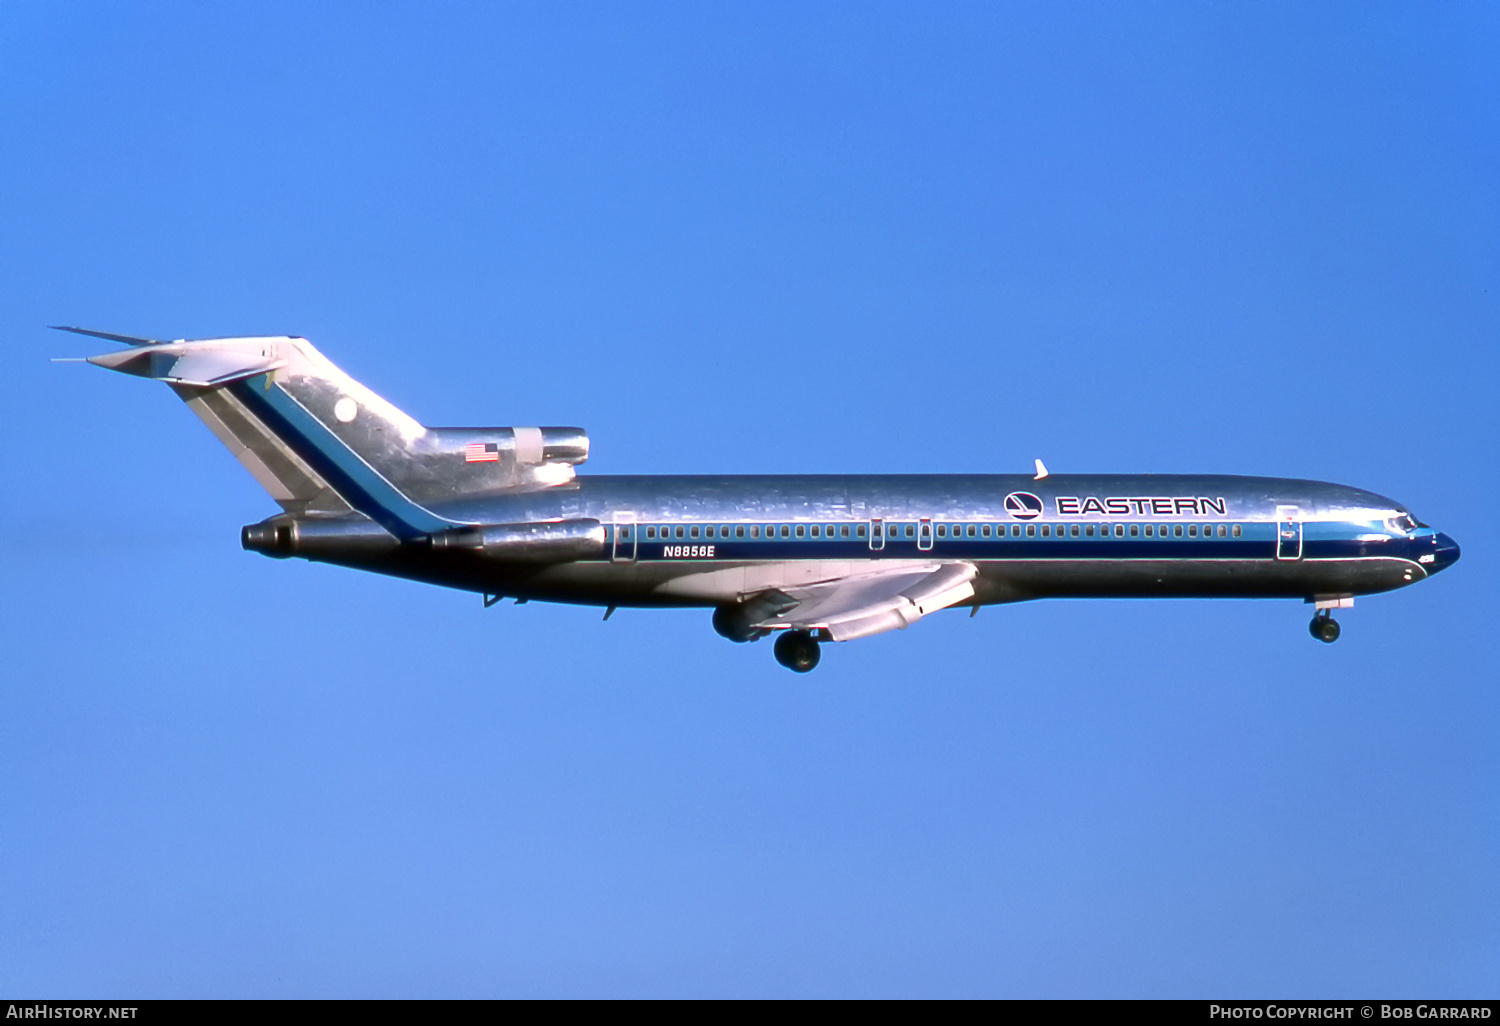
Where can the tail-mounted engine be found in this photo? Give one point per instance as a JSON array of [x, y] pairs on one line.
[[334, 539]]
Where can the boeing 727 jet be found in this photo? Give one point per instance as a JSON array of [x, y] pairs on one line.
[[502, 512]]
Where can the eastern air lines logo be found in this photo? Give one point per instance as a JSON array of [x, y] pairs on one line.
[[1023, 505]]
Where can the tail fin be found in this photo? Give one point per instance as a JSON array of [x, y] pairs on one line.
[[320, 442]]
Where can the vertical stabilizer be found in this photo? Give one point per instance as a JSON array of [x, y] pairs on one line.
[[321, 442]]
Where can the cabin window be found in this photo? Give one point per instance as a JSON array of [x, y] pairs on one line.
[[844, 531], [1015, 530], [801, 531], [1135, 530], [650, 532], [739, 531], [1031, 530], [1148, 531], [1119, 530], [786, 531], [1073, 531], [1236, 530], [1046, 531], [816, 531], [1087, 530], [971, 531], [708, 532], [1223, 530], [693, 531], [942, 531], [985, 530], [1192, 530]]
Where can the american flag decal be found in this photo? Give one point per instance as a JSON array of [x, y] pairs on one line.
[[481, 452]]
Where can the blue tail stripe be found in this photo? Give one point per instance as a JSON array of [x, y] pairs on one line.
[[356, 481]]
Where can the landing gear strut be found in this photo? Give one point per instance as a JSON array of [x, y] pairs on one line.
[[797, 651], [1324, 627]]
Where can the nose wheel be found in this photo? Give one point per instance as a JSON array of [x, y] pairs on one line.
[[797, 651], [1324, 627]]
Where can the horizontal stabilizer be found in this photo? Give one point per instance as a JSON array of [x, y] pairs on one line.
[[130, 340], [202, 364]]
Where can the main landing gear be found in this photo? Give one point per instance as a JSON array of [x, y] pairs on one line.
[[1324, 627], [797, 651]]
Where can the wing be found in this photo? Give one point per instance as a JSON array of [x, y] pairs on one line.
[[865, 604]]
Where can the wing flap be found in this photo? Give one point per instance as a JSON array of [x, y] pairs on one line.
[[856, 607]]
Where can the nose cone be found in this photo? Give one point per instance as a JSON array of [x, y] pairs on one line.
[[1445, 555]]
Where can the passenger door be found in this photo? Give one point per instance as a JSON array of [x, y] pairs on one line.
[[1288, 532]]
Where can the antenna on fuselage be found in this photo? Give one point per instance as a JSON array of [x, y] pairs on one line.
[[1041, 470]]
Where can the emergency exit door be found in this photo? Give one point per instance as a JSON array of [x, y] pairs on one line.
[[625, 542]]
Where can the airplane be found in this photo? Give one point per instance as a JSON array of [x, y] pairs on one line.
[[502, 512]]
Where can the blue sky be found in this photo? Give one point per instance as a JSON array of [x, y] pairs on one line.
[[1177, 237]]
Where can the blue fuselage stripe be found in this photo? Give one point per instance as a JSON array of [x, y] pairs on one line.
[[356, 481], [1262, 547]]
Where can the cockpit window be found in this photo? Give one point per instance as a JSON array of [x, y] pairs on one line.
[[1405, 523]]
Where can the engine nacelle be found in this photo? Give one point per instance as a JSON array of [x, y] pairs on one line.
[[559, 541], [317, 538]]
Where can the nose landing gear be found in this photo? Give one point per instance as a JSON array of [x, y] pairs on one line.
[[1324, 627], [797, 651]]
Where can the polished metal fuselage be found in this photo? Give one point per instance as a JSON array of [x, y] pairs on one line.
[[686, 540]]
